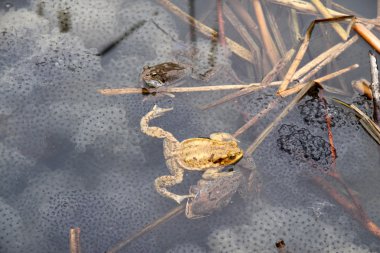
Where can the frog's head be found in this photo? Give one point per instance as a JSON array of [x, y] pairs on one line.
[[151, 77], [234, 153], [228, 154]]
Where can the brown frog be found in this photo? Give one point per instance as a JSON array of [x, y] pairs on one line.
[[210, 155], [214, 195], [164, 74]]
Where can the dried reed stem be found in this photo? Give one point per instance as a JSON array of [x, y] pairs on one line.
[[297, 59], [242, 31], [322, 79], [304, 6], [329, 59], [276, 32], [163, 219], [367, 35], [235, 47], [326, 14], [362, 30], [302, 50], [270, 48], [317, 60], [245, 16], [122, 91], [282, 115], [74, 239], [264, 83]]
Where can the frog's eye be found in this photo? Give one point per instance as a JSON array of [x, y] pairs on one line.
[[231, 157]]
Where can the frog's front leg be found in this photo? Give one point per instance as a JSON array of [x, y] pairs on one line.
[[215, 173], [161, 183]]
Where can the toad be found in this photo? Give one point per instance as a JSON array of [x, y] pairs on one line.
[[210, 155]]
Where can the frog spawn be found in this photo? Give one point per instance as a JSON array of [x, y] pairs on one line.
[[299, 229], [86, 153]]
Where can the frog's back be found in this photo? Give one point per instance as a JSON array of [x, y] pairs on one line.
[[202, 153]]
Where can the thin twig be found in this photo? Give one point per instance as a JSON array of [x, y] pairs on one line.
[[270, 47], [122, 91], [235, 47], [74, 239], [166, 217], [282, 115], [265, 82]]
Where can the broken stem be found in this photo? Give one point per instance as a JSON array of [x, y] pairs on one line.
[[74, 239]]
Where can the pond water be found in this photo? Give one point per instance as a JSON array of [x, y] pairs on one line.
[[71, 157]]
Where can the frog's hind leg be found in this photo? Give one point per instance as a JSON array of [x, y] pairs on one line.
[[161, 183], [152, 130]]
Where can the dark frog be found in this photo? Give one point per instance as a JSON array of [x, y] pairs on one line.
[[164, 74]]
